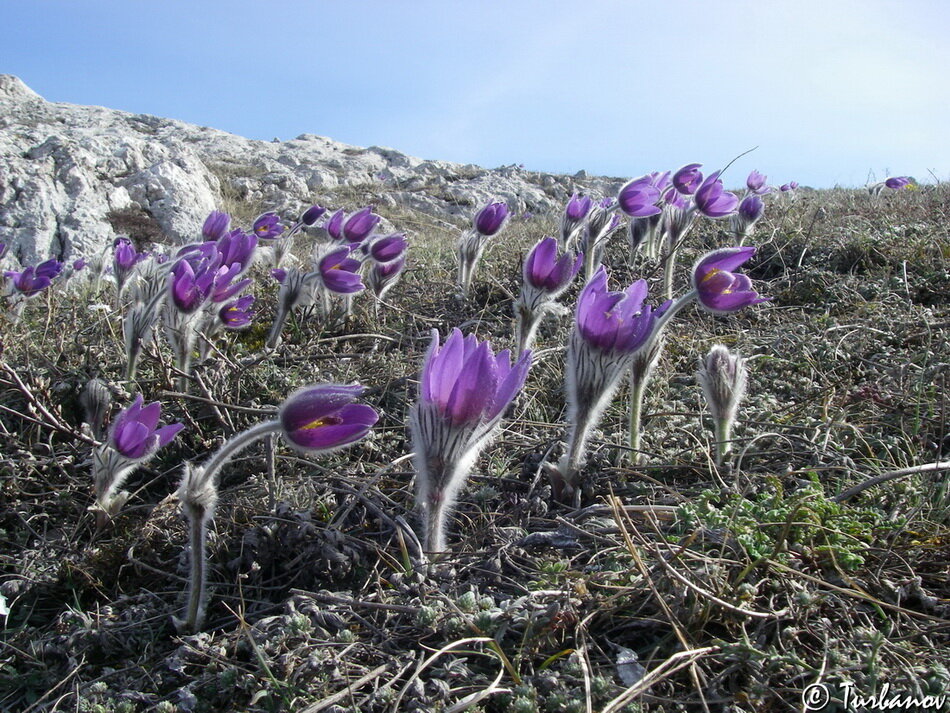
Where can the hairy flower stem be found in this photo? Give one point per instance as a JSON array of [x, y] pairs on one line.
[[198, 493], [277, 327], [668, 270], [723, 440], [527, 322]]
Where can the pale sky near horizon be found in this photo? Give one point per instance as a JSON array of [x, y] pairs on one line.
[[830, 91]]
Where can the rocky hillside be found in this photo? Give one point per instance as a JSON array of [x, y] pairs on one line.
[[67, 171]]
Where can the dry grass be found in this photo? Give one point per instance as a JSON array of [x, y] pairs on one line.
[[730, 600]]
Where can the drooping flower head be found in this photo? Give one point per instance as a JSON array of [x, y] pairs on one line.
[[383, 275], [490, 218], [388, 247], [135, 433], [897, 183], [615, 321], [79, 264], [712, 200], [790, 186], [719, 289], [339, 272], [125, 256], [216, 225], [267, 226], [467, 383], [688, 179], [324, 417], [545, 271], [638, 197], [33, 280], [756, 183], [237, 314]]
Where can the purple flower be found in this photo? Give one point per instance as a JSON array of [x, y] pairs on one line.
[[216, 225], [466, 383], [688, 179], [388, 248], [719, 289], [134, 434], [27, 282], [638, 198], [237, 314], [712, 201], [490, 218], [190, 287], [615, 321], [334, 225], [49, 268], [751, 208], [237, 248], [660, 181], [312, 214], [578, 207], [545, 271], [896, 183], [790, 186], [279, 274], [756, 183], [324, 418], [79, 264], [124, 255], [267, 226], [340, 273], [360, 225]]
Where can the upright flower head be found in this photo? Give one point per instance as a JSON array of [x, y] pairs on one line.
[[615, 321], [578, 207], [324, 418], [638, 197], [712, 200], [267, 226], [490, 218], [312, 214], [135, 434], [334, 225], [547, 272], [466, 383], [237, 314], [719, 289], [388, 247], [125, 256], [216, 225], [756, 183], [790, 186], [723, 377]]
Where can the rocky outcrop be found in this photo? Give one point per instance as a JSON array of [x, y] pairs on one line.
[[65, 169]]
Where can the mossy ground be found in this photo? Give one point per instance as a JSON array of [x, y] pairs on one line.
[[767, 586]]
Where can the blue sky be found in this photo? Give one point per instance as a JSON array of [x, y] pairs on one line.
[[830, 91]]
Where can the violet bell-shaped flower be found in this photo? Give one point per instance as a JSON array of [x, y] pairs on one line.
[[490, 218], [896, 183], [216, 225], [790, 186], [688, 179], [334, 225], [578, 207], [712, 200], [609, 329], [750, 210], [638, 197], [312, 215], [388, 247], [756, 183], [544, 277], [324, 418], [384, 275], [718, 289], [339, 272], [464, 390], [267, 226], [360, 225], [135, 433], [237, 314]]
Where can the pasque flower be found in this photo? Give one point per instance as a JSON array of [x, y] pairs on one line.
[[312, 214], [490, 218], [134, 438], [896, 183], [339, 272], [712, 200], [750, 210], [360, 225], [237, 314], [688, 179], [324, 418], [638, 197], [464, 390], [723, 377], [544, 277], [32, 280], [267, 226], [216, 225], [609, 329], [756, 183], [388, 247], [316, 419], [577, 207], [718, 289]]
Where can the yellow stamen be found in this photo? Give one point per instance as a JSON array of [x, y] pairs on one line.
[[711, 274]]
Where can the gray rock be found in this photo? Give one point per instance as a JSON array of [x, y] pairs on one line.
[[65, 168]]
